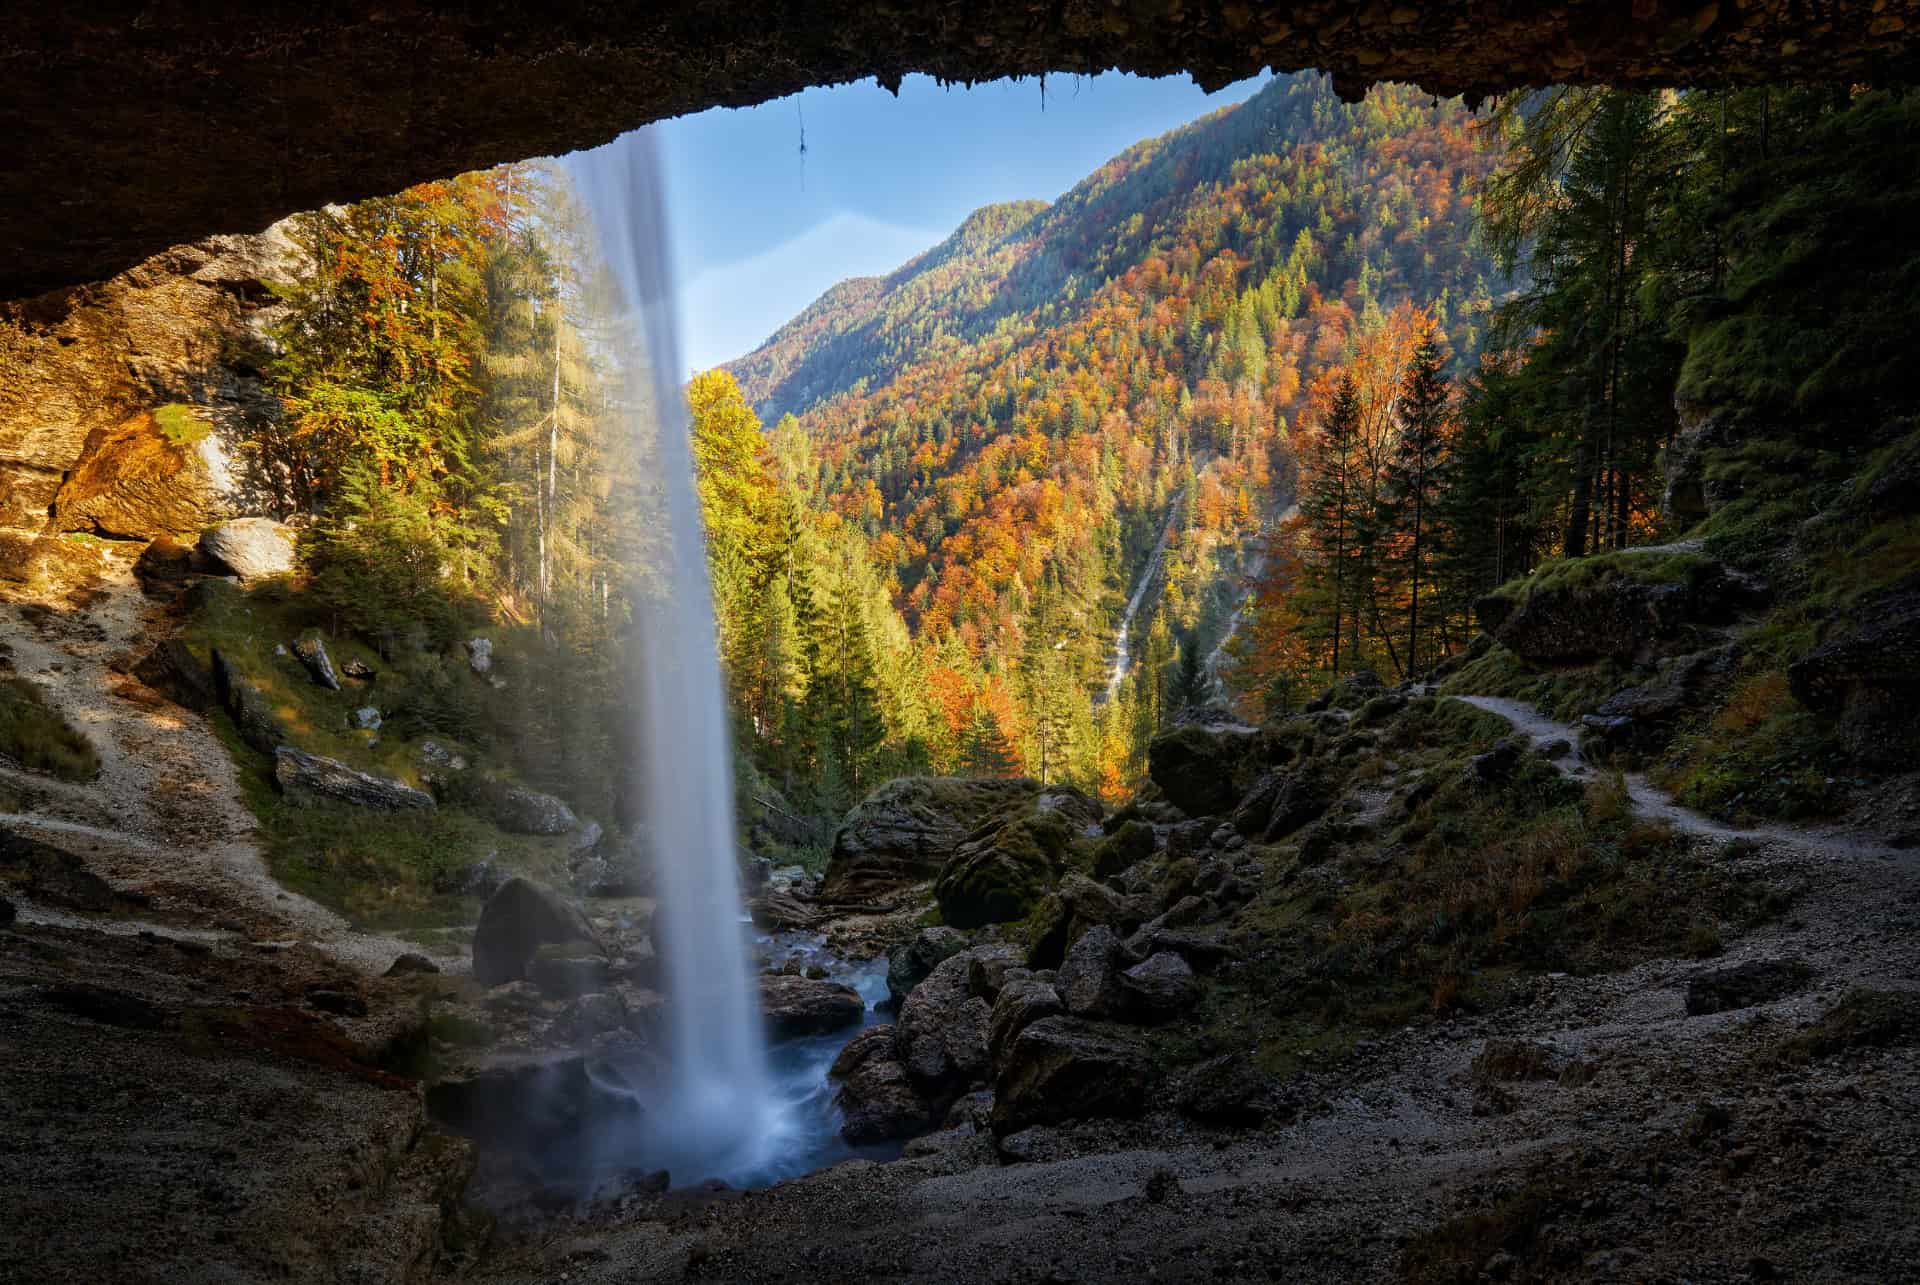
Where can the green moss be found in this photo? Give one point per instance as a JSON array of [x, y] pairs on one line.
[[1563, 692], [36, 736], [1576, 575], [179, 424], [1863, 1019]]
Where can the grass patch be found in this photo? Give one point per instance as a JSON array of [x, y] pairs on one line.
[[1562, 692], [36, 736], [179, 424], [1761, 755], [1581, 575], [1863, 1019]]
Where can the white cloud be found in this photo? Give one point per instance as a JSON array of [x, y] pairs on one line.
[[729, 310]]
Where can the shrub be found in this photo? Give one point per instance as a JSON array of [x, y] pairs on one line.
[[34, 735]]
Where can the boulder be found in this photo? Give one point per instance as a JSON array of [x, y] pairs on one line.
[[878, 1103], [568, 970], [310, 778], [613, 867], [989, 968], [941, 1034], [520, 810], [589, 1017], [1003, 868], [1060, 1068], [910, 964], [480, 655], [144, 477], [1627, 607], [1737, 986], [411, 962], [366, 718], [170, 669], [782, 912], [311, 651], [1125, 848], [797, 1006], [1869, 678], [905, 831], [247, 705], [48, 563], [873, 1044], [1089, 982], [517, 920], [1225, 1090], [1202, 770], [1158, 989], [1281, 802], [251, 548], [1020, 1003], [1496, 766]]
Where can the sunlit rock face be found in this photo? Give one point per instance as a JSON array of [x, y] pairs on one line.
[[224, 117]]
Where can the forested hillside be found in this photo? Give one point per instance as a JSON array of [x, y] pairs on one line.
[[993, 440]]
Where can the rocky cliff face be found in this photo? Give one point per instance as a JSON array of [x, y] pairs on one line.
[[122, 404]]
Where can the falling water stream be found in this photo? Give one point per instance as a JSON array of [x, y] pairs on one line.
[[718, 1116]]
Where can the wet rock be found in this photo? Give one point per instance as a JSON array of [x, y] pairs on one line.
[[782, 912], [1225, 1090], [878, 1101], [910, 964], [517, 920], [171, 670], [1089, 983], [311, 651], [1060, 1068], [613, 867], [1203, 770], [1158, 989], [247, 706], [310, 778], [567, 970], [876, 1043], [796, 1006], [410, 962], [941, 1034], [251, 548], [1739, 986], [589, 1017], [1020, 1003], [480, 655], [907, 830]]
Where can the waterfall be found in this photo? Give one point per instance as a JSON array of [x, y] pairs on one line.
[[717, 1114]]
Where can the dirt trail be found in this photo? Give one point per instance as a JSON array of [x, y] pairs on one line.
[[1649, 800], [165, 816]]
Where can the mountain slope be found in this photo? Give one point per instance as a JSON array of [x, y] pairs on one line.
[[1010, 419]]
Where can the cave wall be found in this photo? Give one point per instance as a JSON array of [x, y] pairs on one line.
[[126, 128]]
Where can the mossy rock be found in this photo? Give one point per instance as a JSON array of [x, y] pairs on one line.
[[1131, 844], [1003, 870], [1204, 770]]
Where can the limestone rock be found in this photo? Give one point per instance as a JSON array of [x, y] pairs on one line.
[[796, 1006], [411, 962], [1126, 847], [311, 778], [1869, 677], [910, 964], [47, 563], [1089, 978], [517, 920], [311, 651], [1060, 1068], [879, 1103], [247, 706], [568, 970], [1020, 1003], [905, 831], [1628, 607], [520, 810], [170, 669], [941, 1034], [1203, 770], [480, 655], [1004, 867], [1159, 989], [251, 548], [782, 911], [137, 480]]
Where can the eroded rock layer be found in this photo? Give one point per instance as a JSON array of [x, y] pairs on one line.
[[190, 119]]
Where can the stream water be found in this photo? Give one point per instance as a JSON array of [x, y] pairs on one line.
[[1122, 644]]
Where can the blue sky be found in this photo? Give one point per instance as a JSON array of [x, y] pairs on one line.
[[760, 230]]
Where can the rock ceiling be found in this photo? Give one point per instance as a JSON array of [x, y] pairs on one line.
[[127, 127]]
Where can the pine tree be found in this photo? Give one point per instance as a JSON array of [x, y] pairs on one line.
[[1414, 474]]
